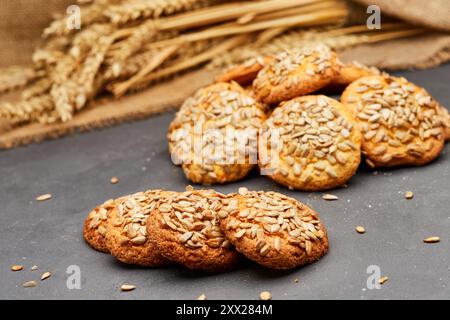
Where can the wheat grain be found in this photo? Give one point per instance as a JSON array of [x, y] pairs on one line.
[[38, 88]]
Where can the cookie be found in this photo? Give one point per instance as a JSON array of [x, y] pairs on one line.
[[349, 73], [126, 231], [214, 134], [296, 73], [185, 229], [274, 230], [94, 228], [244, 73], [401, 124], [310, 143], [446, 120]]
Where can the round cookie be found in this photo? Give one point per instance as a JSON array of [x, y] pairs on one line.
[[310, 143], [94, 228], [274, 230], [244, 73], [214, 134], [185, 229], [126, 232], [401, 124], [296, 73], [446, 120]]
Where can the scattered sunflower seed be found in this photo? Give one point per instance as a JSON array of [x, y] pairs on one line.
[[16, 268], [44, 197], [127, 287], [202, 297], [34, 268], [383, 280], [330, 197], [30, 284], [360, 229], [114, 180], [265, 295], [432, 240], [296, 280], [409, 195], [45, 275]]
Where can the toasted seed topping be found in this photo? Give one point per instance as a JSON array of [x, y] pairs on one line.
[[330, 197], [97, 217], [211, 117], [45, 275], [44, 197], [127, 287], [409, 195], [194, 215], [314, 139], [395, 114], [383, 280], [202, 297], [30, 284], [265, 295], [360, 229], [432, 240], [114, 180], [16, 268], [272, 219]]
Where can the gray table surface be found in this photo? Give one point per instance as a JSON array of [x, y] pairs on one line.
[[76, 170]]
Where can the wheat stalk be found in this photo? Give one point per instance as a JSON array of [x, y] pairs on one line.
[[35, 109], [131, 10], [15, 77]]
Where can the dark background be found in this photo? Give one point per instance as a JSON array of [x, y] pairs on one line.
[[76, 171]]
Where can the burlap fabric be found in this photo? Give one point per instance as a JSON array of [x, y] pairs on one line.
[[22, 21]]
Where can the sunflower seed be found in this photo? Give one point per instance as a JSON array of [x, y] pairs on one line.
[[265, 295], [16, 268], [127, 287], [383, 280], [30, 284], [265, 250], [360, 229], [114, 180], [409, 195], [201, 297], [240, 233], [432, 240], [34, 268], [45, 275], [330, 197], [44, 197]]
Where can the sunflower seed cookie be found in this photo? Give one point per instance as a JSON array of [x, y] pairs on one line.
[[401, 124], [296, 73], [94, 228], [244, 73], [214, 134], [310, 143], [446, 117], [185, 229], [274, 230], [126, 232]]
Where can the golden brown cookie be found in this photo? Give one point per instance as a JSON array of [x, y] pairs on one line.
[[296, 73], [214, 135], [351, 72], [126, 232], [185, 229], [274, 230], [400, 123], [244, 73], [94, 228], [446, 120], [310, 143]]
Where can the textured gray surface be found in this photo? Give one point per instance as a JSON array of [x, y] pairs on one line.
[[76, 170]]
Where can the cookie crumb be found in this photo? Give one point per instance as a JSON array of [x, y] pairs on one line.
[[127, 287], [16, 268], [432, 240], [265, 295], [296, 280], [114, 180], [189, 188], [44, 197], [243, 191]]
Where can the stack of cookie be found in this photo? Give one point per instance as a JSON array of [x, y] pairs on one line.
[[305, 142], [207, 230]]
